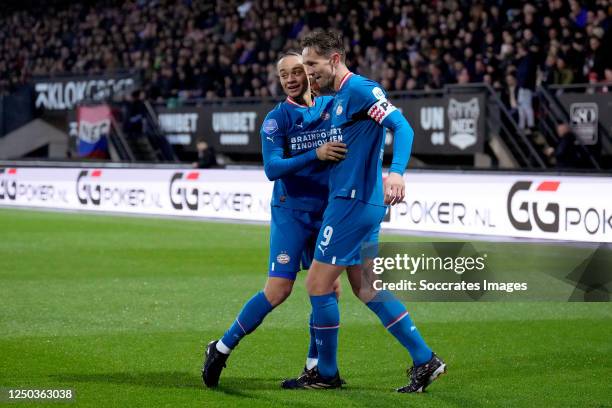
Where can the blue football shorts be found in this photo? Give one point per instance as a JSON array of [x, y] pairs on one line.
[[348, 224], [293, 234]]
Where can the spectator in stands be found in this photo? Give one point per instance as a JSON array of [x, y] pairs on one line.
[[596, 58], [187, 49], [463, 77], [569, 154], [547, 71], [206, 155], [562, 75], [510, 94], [135, 112], [578, 14], [526, 76]]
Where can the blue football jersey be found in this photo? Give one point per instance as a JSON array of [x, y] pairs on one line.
[[292, 130], [360, 106]]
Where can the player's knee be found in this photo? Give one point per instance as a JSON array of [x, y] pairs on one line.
[[278, 292], [311, 284], [321, 278], [316, 286], [278, 296]]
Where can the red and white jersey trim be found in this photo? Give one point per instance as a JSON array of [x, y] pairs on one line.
[[344, 79], [291, 101]]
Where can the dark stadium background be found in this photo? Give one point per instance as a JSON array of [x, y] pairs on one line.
[[186, 55], [511, 104]]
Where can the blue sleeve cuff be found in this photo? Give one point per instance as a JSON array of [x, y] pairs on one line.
[[403, 136]]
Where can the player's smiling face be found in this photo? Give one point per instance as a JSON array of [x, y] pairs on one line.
[[293, 76], [320, 67]]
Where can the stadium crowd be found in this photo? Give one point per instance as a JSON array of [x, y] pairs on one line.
[[204, 49]]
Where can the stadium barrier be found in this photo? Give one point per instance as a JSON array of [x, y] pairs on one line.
[[573, 208]]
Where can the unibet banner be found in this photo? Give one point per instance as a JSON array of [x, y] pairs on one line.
[[453, 125], [229, 128], [568, 208]]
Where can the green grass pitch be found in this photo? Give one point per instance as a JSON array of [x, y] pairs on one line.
[[120, 308]]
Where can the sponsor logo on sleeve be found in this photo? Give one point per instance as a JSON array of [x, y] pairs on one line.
[[270, 126], [378, 93]]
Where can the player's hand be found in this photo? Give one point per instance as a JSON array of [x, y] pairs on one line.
[[332, 151], [395, 189]]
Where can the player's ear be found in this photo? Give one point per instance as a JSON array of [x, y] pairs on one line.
[[335, 57]]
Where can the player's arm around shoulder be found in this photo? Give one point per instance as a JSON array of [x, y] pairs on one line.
[[330, 151], [274, 132]]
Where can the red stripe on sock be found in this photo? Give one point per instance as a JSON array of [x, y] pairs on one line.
[[400, 317]]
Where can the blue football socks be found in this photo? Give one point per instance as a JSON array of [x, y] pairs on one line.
[[251, 316], [393, 315], [326, 322], [312, 347]]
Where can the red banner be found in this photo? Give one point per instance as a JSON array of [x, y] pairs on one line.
[[94, 124]]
